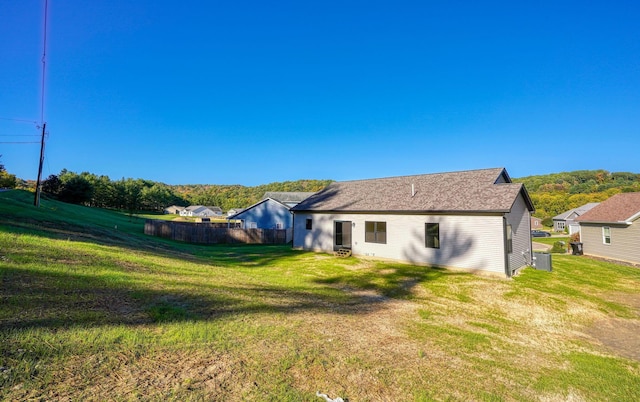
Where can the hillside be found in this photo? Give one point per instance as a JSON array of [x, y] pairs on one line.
[[555, 193]]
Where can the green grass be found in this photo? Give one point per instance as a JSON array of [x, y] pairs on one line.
[[91, 308], [551, 240]]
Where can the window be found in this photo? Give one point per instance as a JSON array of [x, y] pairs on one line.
[[308, 224], [375, 232], [509, 239], [606, 235], [279, 225], [560, 225], [432, 235], [253, 225]]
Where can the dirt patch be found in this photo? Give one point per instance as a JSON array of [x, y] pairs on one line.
[[617, 335], [621, 337]]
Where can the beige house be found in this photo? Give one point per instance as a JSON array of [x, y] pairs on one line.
[[174, 209], [536, 223], [475, 220], [612, 228]]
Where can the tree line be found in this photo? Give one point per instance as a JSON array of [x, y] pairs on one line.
[[553, 194], [135, 195]]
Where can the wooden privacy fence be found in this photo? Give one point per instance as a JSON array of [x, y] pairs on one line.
[[206, 233]]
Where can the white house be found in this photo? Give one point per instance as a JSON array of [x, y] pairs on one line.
[[566, 220], [201, 211], [475, 220], [174, 209]]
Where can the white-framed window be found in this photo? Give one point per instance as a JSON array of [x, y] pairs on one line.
[[606, 235], [279, 225], [252, 225], [560, 225], [509, 239]]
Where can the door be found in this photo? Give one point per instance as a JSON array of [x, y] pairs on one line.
[[342, 234]]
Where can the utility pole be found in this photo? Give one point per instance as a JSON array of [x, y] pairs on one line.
[[36, 202]]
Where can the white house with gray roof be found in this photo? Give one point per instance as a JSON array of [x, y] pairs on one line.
[[476, 220], [566, 220], [200, 211]]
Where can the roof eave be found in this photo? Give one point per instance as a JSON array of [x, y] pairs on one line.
[[627, 222], [403, 212]]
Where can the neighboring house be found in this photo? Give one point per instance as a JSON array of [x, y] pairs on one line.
[[612, 229], [265, 214], [234, 211], [566, 220], [536, 223], [201, 211], [174, 209], [288, 198], [217, 211], [476, 220]]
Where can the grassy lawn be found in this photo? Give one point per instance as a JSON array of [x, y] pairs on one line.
[[92, 309], [551, 240]]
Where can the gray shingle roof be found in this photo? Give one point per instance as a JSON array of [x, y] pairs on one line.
[[287, 196], [623, 207], [485, 190], [578, 211]]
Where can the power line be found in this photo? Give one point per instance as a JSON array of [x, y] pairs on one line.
[[19, 120]]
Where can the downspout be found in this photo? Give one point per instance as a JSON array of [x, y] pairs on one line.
[[507, 268], [293, 228]]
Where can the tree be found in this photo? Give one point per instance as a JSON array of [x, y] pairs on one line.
[[52, 185], [76, 190], [157, 197], [6, 180]]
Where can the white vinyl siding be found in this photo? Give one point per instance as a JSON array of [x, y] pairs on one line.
[[319, 237], [469, 242]]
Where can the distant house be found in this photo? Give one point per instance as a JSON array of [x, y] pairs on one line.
[[174, 209], [234, 211], [536, 223], [265, 214], [217, 211], [201, 211], [612, 229], [288, 198], [475, 220], [566, 220]]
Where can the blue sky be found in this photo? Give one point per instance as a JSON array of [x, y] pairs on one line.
[[253, 92]]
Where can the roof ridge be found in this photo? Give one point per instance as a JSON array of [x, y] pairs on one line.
[[423, 174]]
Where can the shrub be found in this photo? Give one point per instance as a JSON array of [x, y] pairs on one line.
[[559, 247]]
